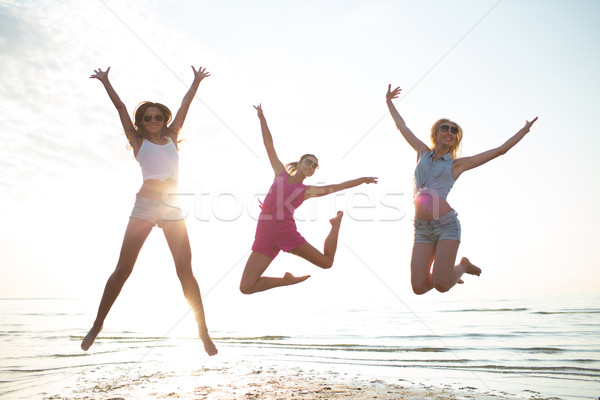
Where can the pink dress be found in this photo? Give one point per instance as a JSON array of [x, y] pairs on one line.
[[276, 228]]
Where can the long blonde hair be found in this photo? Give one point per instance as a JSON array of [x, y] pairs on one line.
[[455, 150], [292, 167]]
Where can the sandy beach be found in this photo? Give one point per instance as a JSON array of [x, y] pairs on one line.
[[270, 384], [243, 381]]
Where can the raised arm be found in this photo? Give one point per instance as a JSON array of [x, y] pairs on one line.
[[318, 191], [102, 76], [177, 123], [410, 137], [276, 164], [464, 164]]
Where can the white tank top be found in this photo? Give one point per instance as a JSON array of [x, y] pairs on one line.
[[159, 162]]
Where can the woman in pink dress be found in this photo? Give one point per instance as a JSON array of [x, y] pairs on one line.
[[276, 228]]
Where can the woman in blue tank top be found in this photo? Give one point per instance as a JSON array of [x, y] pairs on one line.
[[437, 229], [154, 144]]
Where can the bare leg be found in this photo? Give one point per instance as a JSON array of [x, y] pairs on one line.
[[325, 259], [445, 273], [330, 245], [179, 243], [253, 281], [420, 267], [135, 235]]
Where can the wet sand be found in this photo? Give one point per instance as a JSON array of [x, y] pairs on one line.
[[247, 381]]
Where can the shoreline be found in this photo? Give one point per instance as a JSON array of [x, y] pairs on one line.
[[253, 381]]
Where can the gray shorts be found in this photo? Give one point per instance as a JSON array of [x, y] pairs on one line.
[[156, 212], [446, 227]]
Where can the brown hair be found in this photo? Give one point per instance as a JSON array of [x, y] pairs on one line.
[[138, 116], [456, 148], [292, 167]]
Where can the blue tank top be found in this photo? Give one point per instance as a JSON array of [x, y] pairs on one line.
[[434, 176]]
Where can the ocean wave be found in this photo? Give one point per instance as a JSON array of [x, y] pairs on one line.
[[127, 338], [547, 350], [561, 372], [49, 314], [564, 370], [351, 347], [251, 338], [487, 310], [568, 312]]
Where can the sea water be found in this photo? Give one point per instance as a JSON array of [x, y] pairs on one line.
[[539, 347]]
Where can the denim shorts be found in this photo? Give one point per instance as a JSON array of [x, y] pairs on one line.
[[446, 227], [156, 212]]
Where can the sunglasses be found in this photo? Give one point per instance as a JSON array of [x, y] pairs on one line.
[[445, 128], [311, 163], [157, 117]]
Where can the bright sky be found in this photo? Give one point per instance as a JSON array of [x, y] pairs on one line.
[[321, 70]]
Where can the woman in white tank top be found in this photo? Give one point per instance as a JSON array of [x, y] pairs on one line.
[[154, 144]]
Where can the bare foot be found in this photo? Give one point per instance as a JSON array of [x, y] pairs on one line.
[[337, 220], [209, 346], [88, 340], [290, 279], [469, 267]]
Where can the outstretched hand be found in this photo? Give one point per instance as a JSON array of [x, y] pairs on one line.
[[259, 111], [99, 74], [528, 125], [370, 179], [201, 73], [392, 94]]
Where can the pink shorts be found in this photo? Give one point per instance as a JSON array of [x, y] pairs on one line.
[[274, 236]]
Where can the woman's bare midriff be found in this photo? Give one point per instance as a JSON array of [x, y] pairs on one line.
[[429, 207], [156, 190]]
